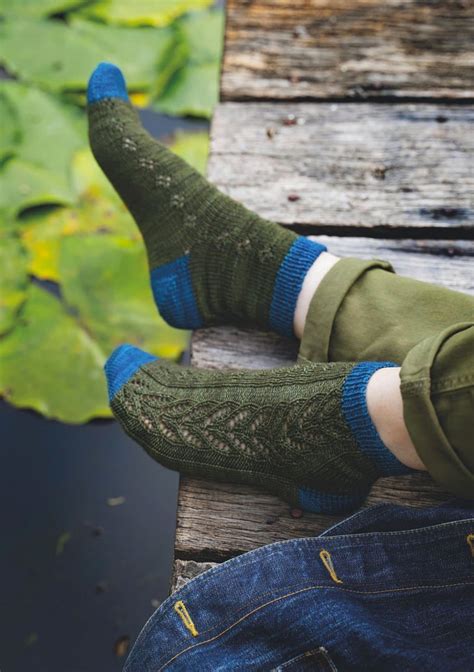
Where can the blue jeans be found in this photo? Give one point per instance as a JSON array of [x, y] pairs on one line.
[[390, 588]]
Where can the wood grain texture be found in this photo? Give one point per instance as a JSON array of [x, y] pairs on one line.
[[329, 166], [218, 521], [290, 49]]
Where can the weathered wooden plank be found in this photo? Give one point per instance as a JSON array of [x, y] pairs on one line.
[[289, 49], [217, 521], [185, 570], [342, 165]]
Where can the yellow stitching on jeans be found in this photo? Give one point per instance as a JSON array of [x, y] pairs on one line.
[[327, 562], [183, 613], [470, 541], [305, 590]]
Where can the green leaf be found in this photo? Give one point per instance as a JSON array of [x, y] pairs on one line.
[[13, 280], [49, 132], [194, 89], [10, 134], [68, 54], [36, 8], [142, 12], [52, 365], [24, 185], [98, 210], [105, 279], [193, 148], [203, 32]]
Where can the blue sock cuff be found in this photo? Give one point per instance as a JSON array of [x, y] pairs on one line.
[[354, 407], [288, 282], [174, 295], [122, 364], [106, 81], [326, 502]]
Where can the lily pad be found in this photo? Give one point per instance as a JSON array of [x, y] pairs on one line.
[[194, 89], [48, 131], [36, 8], [13, 280], [203, 32], [24, 185], [193, 148], [69, 53], [105, 279], [98, 210], [10, 134], [51, 364], [142, 12]]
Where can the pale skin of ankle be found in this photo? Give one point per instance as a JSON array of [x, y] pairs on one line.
[[384, 398]]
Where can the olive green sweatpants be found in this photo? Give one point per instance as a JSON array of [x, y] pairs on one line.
[[363, 311]]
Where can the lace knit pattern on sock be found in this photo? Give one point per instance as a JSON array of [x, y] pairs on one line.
[[281, 429]]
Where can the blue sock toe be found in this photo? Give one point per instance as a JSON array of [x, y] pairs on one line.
[[122, 364], [106, 81]]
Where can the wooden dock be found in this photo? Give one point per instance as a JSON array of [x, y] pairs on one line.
[[351, 120]]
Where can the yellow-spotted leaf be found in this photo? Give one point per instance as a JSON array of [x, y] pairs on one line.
[[142, 12], [105, 280], [13, 280], [51, 364]]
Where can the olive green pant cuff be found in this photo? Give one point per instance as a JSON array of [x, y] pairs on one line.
[[325, 304], [437, 385]]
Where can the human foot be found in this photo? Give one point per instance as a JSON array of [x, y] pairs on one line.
[[211, 260], [303, 433]]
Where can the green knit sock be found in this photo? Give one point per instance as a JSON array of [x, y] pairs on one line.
[[303, 433], [211, 260]]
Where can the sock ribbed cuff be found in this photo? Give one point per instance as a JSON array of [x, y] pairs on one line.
[[122, 364], [354, 406], [288, 282]]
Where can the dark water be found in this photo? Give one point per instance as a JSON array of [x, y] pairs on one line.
[[77, 573]]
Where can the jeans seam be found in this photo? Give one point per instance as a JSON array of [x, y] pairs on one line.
[[309, 588]]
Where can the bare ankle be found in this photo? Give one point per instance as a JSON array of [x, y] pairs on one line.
[[385, 405], [316, 273]]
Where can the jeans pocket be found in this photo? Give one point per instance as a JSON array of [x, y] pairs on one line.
[[315, 660]]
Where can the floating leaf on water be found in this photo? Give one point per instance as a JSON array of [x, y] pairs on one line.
[[115, 501], [25, 185], [63, 539], [142, 12], [49, 132], [13, 280], [10, 135], [51, 364], [36, 8], [203, 32], [121, 646], [31, 639], [193, 91], [105, 279], [193, 148], [139, 52]]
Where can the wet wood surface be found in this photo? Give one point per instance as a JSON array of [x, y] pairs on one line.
[[384, 178], [355, 49]]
